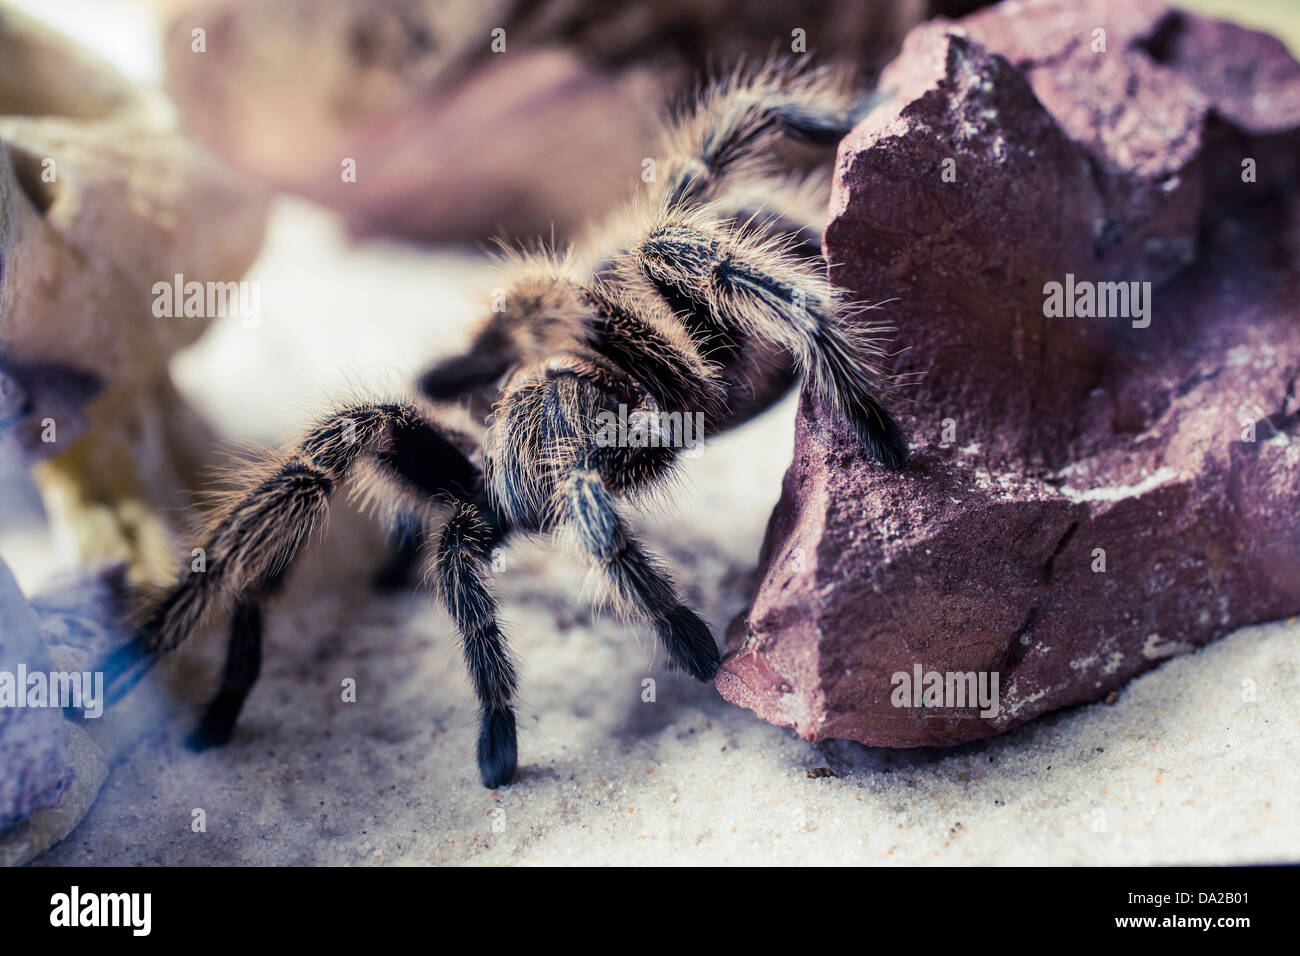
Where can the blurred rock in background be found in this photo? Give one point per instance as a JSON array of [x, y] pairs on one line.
[[100, 199], [34, 763], [473, 118], [51, 769]]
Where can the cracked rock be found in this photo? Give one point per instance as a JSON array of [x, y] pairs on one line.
[[1096, 485]]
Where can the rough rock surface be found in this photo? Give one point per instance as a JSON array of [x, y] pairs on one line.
[[1045, 446]]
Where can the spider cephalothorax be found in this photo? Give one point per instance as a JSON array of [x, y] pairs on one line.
[[703, 299]]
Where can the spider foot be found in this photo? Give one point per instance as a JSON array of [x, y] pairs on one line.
[[498, 751], [690, 643], [216, 728]]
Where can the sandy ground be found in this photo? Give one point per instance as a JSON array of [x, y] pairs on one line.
[[1195, 762], [1180, 770]]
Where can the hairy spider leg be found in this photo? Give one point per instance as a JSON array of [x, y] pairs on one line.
[[256, 538]]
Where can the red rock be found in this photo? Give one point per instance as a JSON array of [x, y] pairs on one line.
[[1068, 437]]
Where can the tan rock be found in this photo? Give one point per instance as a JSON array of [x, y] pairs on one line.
[[100, 198]]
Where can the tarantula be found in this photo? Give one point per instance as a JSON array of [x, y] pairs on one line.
[[705, 296]]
